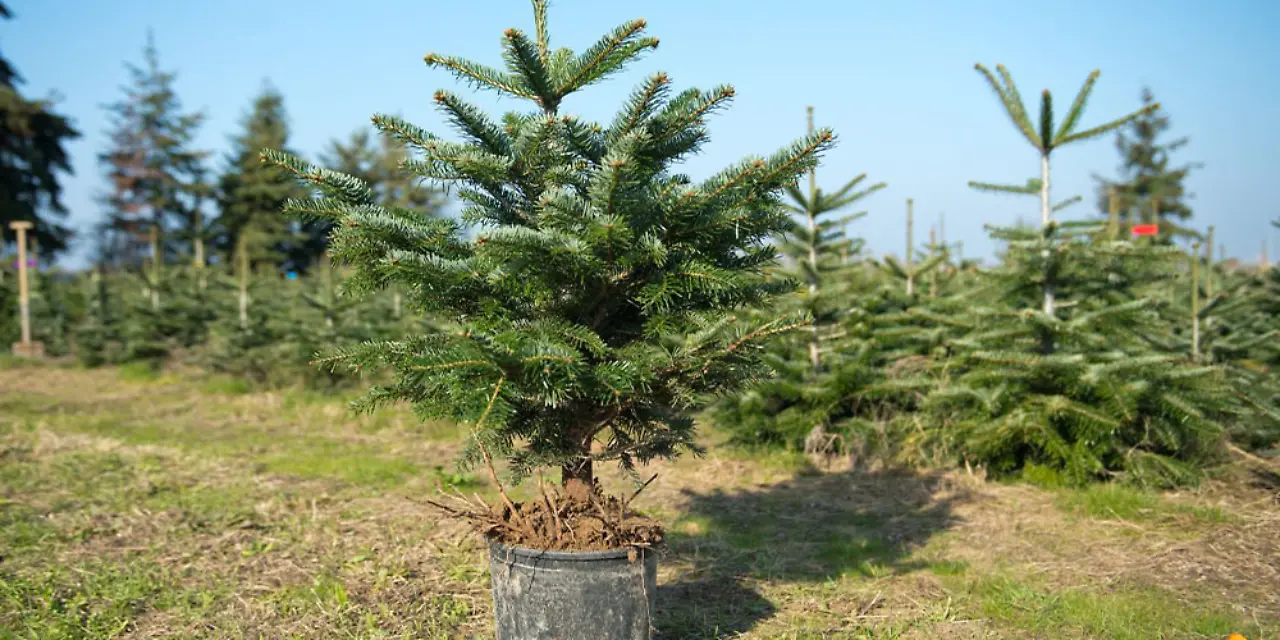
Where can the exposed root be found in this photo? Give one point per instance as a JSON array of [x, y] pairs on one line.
[[575, 518]]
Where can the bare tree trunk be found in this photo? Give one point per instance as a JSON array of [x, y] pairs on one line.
[[326, 275], [581, 470], [1049, 305], [242, 265], [1113, 213], [1195, 301], [198, 262], [157, 265], [1208, 263], [911, 278], [933, 277], [815, 359]]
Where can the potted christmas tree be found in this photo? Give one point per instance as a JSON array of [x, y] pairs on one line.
[[580, 308]]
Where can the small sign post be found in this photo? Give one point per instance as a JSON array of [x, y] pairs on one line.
[[26, 348], [1145, 229]]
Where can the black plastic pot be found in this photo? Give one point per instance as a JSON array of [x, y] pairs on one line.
[[572, 595]]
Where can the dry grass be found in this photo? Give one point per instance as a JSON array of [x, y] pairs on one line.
[[173, 507]]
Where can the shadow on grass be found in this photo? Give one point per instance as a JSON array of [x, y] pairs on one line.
[[807, 529]]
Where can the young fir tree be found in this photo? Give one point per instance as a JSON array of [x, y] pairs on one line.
[[1239, 330], [246, 339], [1149, 188], [99, 338], [33, 138], [154, 172], [594, 305], [250, 194], [1074, 386], [912, 269], [320, 319], [803, 403], [1045, 139]]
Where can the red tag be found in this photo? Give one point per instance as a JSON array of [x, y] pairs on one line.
[[1145, 229]]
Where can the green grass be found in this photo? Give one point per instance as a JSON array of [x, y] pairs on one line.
[[1119, 502], [92, 600], [140, 371], [790, 462], [163, 507], [318, 458], [1128, 613], [222, 385]]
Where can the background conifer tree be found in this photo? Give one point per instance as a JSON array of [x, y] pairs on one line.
[[33, 138], [814, 368], [593, 307], [1150, 188], [155, 174], [250, 194]]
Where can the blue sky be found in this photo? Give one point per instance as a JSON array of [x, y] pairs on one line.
[[894, 79]]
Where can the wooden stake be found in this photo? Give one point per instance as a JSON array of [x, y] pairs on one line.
[[26, 348]]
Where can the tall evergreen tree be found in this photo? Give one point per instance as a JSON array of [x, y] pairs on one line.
[[251, 194], [1150, 188], [593, 307], [32, 155], [154, 172], [1045, 139]]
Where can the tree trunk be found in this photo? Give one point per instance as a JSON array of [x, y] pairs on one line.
[[198, 260], [933, 276], [1208, 261], [578, 470], [1044, 222], [911, 279], [815, 359], [157, 264], [1195, 301], [242, 265]]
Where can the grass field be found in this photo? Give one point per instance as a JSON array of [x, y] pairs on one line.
[[136, 505]]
